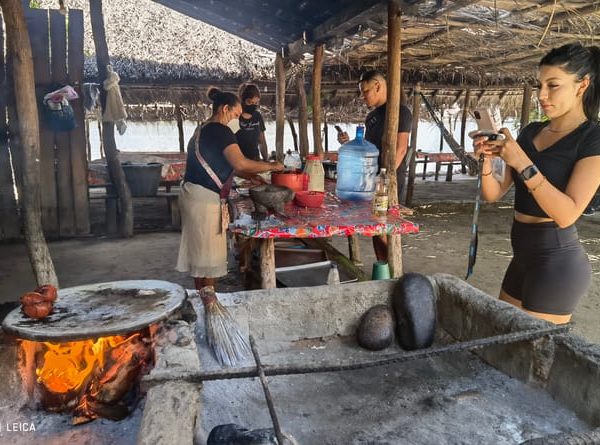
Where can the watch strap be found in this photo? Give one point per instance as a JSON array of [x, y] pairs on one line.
[[529, 172]]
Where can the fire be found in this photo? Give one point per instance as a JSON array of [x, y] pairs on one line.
[[89, 376]]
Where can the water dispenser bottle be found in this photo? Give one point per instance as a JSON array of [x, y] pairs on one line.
[[357, 168]]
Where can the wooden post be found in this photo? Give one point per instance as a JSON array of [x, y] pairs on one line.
[[463, 124], [302, 115], [19, 51], [325, 133], [412, 167], [392, 117], [179, 117], [294, 135], [88, 144], [10, 226], [316, 97], [280, 105], [117, 176], [526, 105], [267, 263], [441, 132]]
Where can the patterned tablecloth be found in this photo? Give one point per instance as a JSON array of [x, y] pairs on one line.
[[334, 218]]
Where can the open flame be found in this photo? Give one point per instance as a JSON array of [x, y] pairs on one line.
[[90, 377]]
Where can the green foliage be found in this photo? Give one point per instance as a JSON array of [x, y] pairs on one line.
[[35, 4]]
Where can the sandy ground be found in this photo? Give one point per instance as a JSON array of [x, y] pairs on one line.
[[443, 211]]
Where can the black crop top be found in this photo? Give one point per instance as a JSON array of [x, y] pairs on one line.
[[556, 162]]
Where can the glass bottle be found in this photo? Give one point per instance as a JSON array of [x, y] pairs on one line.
[[380, 199]]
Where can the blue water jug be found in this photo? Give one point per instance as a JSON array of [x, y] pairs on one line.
[[357, 168]]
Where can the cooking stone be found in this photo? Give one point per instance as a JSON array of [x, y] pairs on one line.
[[99, 310]]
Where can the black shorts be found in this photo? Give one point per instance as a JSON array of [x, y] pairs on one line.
[[550, 271]]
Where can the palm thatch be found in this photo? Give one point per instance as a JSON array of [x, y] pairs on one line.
[[148, 43]]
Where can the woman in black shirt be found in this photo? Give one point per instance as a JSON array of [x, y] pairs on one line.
[[213, 157], [554, 166], [251, 135]]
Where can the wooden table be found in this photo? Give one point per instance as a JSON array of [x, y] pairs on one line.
[[334, 218]]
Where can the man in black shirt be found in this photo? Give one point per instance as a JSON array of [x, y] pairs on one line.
[[373, 90]]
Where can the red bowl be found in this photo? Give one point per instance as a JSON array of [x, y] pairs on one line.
[[293, 180], [309, 198]]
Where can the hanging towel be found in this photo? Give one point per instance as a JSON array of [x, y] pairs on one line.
[[115, 109]]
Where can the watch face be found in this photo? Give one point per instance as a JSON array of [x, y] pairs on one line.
[[529, 172]]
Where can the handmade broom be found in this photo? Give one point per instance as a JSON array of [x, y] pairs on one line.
[[222, 332]]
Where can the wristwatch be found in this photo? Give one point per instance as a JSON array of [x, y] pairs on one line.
[[528, 172]]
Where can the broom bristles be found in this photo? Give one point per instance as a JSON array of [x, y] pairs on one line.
[[224, 335]]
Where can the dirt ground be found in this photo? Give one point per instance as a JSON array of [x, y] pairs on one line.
[[443, 211]]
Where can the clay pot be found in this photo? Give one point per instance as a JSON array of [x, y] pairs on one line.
[[294, 180], [270, 197]]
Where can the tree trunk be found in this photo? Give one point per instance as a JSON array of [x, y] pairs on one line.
[[294, 134], [117, 176], [302, 115], [390, 134], [280, 106], [316, 99], [19, 51]]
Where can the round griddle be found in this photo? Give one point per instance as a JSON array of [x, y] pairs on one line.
[[99, 310]]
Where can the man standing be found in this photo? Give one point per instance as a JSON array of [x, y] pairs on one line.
[[373, 90]]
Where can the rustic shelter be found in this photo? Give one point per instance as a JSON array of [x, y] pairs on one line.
[[461, 52]]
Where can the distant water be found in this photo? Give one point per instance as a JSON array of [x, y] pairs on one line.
[[163, 136]]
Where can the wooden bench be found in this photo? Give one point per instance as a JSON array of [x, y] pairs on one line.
[[440, 159], [111, 206]]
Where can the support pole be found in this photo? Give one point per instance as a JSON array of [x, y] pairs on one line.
[[117, 176], [325, 133], [412, 167], [526, 105], [302, 115], [19, 52], [463, 125], [179, 117], [280, 105], [392, 117], [294, 134], [316, 97]]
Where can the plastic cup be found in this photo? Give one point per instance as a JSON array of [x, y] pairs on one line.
[[381, 271]]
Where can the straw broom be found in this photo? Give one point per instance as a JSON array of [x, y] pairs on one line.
[[222, 332]]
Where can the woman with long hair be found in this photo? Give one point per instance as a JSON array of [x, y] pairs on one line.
[[555, 167]]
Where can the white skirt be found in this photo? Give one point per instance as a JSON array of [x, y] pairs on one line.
[[203, 248]]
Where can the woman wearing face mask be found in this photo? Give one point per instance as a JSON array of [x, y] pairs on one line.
[[213, 157], [251, 133], [555, 167]]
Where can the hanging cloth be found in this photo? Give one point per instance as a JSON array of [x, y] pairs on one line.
[[114, 111]]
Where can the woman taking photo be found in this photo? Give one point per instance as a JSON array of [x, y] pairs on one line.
[[555, 167], [213, 157], [251, 132]]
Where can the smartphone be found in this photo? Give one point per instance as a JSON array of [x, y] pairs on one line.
[[338, 129], [487, 125]]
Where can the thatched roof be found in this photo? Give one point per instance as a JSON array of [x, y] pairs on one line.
[[148, 42]]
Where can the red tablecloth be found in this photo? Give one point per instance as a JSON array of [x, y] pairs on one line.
[[334, 218]]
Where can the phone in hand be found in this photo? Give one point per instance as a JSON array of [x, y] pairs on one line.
[[338, 129], [487, 125]]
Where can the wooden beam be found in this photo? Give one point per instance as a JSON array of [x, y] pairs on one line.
[[302, 114], [463, 125], [280, 105], [390, 132], [316, 98], [179, 117], [19, 51], [412, 166], [117, 176], [526, 106]]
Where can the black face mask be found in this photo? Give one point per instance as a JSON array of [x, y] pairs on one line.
[[250, 109]]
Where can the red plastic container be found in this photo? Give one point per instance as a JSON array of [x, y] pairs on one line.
[[309, 198], [293, 180]]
